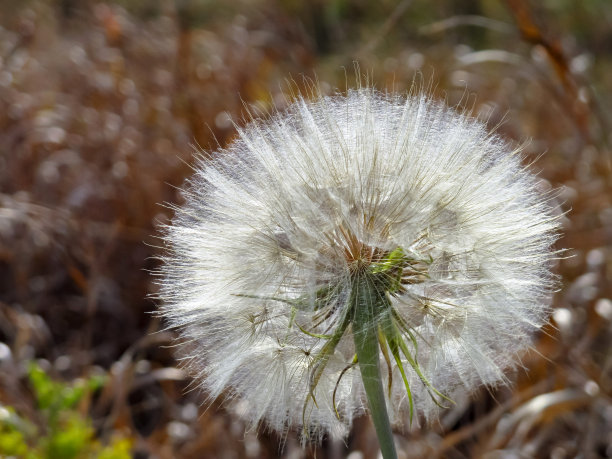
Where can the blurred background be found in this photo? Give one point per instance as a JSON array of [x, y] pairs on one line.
[[102, 107]]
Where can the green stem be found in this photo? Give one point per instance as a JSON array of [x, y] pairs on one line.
[[366, 304]]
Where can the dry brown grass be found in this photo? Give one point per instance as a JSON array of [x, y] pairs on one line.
[[100, 107]]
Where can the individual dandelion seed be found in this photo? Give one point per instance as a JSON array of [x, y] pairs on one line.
[[361, 252]]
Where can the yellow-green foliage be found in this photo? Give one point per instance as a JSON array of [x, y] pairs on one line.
[[65, 433]]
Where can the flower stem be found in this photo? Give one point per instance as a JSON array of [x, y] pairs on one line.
[[367, 302]]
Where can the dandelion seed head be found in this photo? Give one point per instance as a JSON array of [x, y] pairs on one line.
[[403, 194]]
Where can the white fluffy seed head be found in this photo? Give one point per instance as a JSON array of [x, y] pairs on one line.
[[260, 258]]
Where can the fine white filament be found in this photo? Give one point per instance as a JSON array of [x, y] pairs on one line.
[[262, 258]]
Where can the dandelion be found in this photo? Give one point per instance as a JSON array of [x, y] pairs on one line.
[[359, 253]]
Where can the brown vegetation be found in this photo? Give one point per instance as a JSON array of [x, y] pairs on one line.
[[101, 105]]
